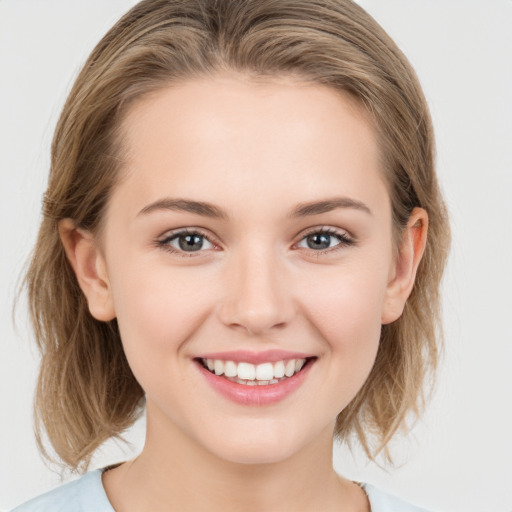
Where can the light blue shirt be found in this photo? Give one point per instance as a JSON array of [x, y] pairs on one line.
[[88, 495]]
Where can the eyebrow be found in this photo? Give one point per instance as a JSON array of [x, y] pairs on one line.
[[206, 209], [327, 205], [186, 205]]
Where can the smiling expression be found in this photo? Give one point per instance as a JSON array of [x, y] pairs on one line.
[[255, 218]]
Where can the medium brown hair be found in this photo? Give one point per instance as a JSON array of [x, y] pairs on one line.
[[86, 392]]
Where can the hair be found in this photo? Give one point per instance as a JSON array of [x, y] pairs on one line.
[[86, 392]]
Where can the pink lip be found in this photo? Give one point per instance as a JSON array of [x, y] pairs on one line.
[[255, 395], [265, 356]]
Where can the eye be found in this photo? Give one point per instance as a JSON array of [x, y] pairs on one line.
[[185, 241], [325, 240]]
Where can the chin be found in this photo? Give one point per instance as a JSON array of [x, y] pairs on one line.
[[259, 448], [254, 454]]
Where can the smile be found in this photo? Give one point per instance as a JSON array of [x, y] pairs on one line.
[[252, 384], [249, 374]]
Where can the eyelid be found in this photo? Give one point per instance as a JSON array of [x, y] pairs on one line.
[[188, 230], [326, 229], [345, 239], [163, 241]]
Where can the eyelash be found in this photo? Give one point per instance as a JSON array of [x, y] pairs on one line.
[[344, 241]]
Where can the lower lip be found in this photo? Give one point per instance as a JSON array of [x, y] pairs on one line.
[[255, 395]]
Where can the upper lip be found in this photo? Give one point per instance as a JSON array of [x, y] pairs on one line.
[[247, 356]]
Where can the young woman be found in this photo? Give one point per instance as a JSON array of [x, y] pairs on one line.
[[243, 234]]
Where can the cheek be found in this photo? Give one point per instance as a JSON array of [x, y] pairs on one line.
[[346, 305], [157, 312], [346, 312]]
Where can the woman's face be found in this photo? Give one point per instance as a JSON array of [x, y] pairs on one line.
[[252, 225]]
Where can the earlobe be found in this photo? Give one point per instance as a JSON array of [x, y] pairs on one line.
[[412, 247], [89, 266]]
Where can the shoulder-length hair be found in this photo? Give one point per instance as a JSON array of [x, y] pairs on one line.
[[86, 392]]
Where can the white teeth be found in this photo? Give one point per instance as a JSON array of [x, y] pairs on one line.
[[262, 374], [279, 369], [230, 369], [218, 367], [246, 371], [289, 369], [265, 371]]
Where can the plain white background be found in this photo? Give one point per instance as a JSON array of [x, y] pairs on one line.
[[459, 457]]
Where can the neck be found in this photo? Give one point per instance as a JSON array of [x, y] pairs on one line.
[[173, 472]]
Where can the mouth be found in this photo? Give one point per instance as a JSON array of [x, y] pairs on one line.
[[263, 374], [261, 383]]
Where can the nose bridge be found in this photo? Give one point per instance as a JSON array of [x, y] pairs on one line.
[[257, 296]]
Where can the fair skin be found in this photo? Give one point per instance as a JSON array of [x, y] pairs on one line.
[[255, 281]]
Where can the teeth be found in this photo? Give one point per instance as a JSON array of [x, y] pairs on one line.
[[230, 369], [265, 371], [250, 374], [279, 369], [218, 367], [246, 371], [289, 369]]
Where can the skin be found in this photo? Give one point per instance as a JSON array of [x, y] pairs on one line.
[[256, 150]]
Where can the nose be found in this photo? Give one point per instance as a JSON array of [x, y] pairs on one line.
[[258, 295]]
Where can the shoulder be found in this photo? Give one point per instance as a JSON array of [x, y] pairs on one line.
[[83, 495], [381, 501]]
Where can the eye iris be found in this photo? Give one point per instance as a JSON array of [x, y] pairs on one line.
[[319, 241], [190, 242]]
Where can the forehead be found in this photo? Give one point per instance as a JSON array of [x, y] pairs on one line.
[[229, 133]]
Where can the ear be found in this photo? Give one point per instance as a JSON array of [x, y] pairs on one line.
[[90, 268], [403, 271]]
